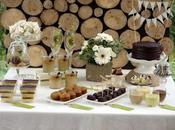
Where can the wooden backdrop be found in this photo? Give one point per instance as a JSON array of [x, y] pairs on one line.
[[88, 17]]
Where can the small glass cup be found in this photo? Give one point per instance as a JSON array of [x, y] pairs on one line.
[[136, 97], [71, 78], [162, 93], [152, 100], [63, 63], [144, 90], [56, 80], [48, 64]]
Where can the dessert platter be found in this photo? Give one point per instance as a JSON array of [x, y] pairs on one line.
[[106, 96], [67, 95]]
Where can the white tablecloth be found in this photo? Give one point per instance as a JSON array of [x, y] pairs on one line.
[[49, 116]]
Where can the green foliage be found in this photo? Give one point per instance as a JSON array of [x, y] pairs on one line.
[[172, 29], [2, 31], [88, 53]]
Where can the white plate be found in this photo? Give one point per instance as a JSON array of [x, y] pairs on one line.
[[66, 102], [107, 102]]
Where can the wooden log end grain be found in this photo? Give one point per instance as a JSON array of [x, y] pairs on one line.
[[91, 27], [98, 12], [85, 12], [32, 7], [127, 5], [113, 33], [76, 61], [48, 4], [168, 45], [133, 23], [61, 5], [115, 19], [71, 1], [147, 38], [121, 60], [107, 4], [158, 12], [49, 17], [168, 23], [11, 3], [35, 19], [79, 39], [129, 37], [7, 40], [36, 53], [85, 2], [10, 17], [48, 35], [156, 32], [73, 8], [69, 22], [146, 14]]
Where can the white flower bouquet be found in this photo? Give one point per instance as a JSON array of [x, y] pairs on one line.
[[101, 49], [28, 31]]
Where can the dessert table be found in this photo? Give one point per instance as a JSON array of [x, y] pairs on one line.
[[47, 116]]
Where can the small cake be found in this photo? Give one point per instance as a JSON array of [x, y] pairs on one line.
[[147, 50], [78, 92], [28, 92], [48, 64], [65, 97], [63, 63], [55, 80], [72, 94], [7, 92], [71, 78], [55, 95], [83, 90]]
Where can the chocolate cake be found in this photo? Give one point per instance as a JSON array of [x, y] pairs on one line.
[[147, 50]]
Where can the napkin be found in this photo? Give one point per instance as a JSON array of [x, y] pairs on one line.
[[168, 107], [81, 107], [18, 104], [121, 107]]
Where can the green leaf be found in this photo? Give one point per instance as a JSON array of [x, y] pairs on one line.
[[121, 107], [81, 107], [18, 104], [168, 107]]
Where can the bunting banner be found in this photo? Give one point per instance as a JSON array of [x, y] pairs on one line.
[[153, 4], [160, 18]]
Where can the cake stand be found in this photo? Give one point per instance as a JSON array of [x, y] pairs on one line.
[[143, 67]]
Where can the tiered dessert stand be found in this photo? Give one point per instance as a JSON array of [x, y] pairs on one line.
[[143, 67]]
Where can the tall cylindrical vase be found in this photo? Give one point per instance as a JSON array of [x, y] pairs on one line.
[[94, 72]]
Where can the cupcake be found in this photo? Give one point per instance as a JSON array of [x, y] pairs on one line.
[[65, 97], [63, 63], [72, 94], [48, 64], [55, 80], [28, 92], [71, 78]]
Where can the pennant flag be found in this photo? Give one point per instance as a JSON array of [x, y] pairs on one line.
[[140, 2], [142, 19], [153, 5], [170, 12], [148, 21], [145, 3], [159, 4], [165, 5], [165, 15], [137, 16], [133, 11], [154, 20], [160, 18]]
